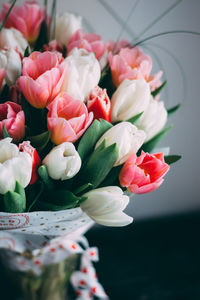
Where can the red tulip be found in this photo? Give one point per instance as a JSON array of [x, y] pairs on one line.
[[99, 104], [26, 147], [143, 174]]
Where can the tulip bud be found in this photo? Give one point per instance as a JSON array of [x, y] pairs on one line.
[[127, 137], [105, 206], [12, 38], [99, 104], [11, 62], [153, 119], [83, 74], [14, 166], [66, 25], [131, 98], [63, 161]]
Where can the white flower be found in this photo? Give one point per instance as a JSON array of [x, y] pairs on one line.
[[105, 206], [83, 74], [66, 25], [14, 166], [63, 161], [153, 119], [12, 38], [131, 98], [11, 62], [127, 137]]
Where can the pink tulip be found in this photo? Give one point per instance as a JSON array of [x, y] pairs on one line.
[[67, 119], [55, 47], [115, 47], [143, 174], [42, 78], [2, 75], [26, 18], [90, 42], [13, 118], [132, 63]]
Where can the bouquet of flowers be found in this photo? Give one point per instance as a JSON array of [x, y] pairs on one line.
[[79, 121]]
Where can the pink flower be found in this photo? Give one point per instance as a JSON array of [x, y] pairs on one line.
[[143, 174], [42, 78], [13, 118], [67, 119], [90, 42], [115, 47], [2, 75], [26, 147], [99, 103], [26, 18], [132, 63], [54, 46]]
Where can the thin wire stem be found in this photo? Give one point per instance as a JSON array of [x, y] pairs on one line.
[[6, 17], [157, 20], [153, 36]]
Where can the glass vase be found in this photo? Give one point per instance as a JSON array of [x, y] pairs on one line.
[[51, 284]]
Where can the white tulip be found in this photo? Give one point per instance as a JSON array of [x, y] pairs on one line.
[[127, 137], [12, 38], [11, 62], [66, 25], [153, 119], [105, 206], [83, 74], [14, 166], [63, 161], [131, 98]]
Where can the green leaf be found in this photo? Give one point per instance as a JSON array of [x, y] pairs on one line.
[[84, 188], [173, 109], [170, 159], [60, 200], [43, 173], [15, 202], [134, 119], [27, 52], [91, 136], [150, 145], [43, 37], [5, 132], [40, 141], [35, 195], [159, 89], [112, 176], [98, 165]]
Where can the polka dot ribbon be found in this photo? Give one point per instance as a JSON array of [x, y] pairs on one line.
[[85, 281]]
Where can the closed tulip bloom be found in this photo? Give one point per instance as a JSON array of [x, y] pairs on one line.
[[83, 74], [12, 117], [143, 174], [63, 161], [42, 78], [127, 137], [26, 18], [99, 104], [67, 119], [105, 206], [132, 63], [131, 98], [90, 42], [11, 62], [153, 119], [66, 25], [12, 38], [14, 166]]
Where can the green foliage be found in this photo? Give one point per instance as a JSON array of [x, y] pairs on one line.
[[134, 119], [40, 141], [91, 136], [42, 37], [159, 89], [15, 202], [173, 109], [170, 159], [150, 145], [5, 132]]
